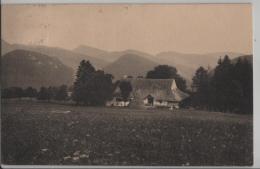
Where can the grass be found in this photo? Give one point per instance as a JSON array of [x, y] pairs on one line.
[[42, 133]]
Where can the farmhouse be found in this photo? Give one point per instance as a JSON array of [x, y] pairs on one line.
[[151, 93]]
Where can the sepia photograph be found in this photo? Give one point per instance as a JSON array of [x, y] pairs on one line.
[[127, 84]]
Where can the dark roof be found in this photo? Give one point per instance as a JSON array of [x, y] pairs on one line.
[[160, 89]]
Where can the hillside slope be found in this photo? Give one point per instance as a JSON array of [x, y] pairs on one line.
[[26, 68]]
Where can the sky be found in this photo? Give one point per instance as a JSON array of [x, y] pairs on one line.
[[194, 28]]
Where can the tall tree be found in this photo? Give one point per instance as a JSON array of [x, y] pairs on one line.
[[223, 85], [243, 77], [232, 86], [167, 72], [126, 89], [101, 88], [92, 87], [83, 76], [200, 85]]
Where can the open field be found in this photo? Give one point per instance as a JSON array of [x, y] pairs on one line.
[[43, 133]]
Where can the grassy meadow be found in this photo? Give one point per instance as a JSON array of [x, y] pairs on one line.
[[45, 133]]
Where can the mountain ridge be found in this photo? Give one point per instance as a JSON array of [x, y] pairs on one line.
[[68, 57], [186, 63], [92, 51]]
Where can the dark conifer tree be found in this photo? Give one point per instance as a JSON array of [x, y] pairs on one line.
[[85, 71], [100, 87], [223, 85], [243, 78], [231, 88], [200, 87], [92, 87]]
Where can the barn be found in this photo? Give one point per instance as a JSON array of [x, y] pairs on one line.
[[153, 93]]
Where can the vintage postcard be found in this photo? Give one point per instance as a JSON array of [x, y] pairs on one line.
[[127, 84]]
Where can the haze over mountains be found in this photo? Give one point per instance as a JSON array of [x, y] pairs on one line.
[[67, 57], [120, 63], [186, 64]]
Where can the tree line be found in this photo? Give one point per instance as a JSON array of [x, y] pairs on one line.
[[45, 93], [93, 87], [227, 88]]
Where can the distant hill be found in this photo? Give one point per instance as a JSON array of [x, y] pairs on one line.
[[113, 56], [67, 57], [108, 56], [130, 64], [24, 68], [90, 51]]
